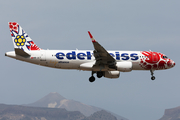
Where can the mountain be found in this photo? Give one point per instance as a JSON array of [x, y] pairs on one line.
[[51, 101], [55, 100], [171, 114], [17, 112]]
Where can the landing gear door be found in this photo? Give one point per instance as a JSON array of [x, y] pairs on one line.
[[43, 56]]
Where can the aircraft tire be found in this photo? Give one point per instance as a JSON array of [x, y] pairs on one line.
[[152, 78], [99, 74], [92, 79]]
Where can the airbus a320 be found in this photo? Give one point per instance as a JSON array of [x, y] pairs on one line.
[[99, 61]]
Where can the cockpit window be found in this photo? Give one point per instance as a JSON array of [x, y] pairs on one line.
[[165, 57]]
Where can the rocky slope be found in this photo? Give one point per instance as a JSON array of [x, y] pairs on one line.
[[171, 114], [16, 112]]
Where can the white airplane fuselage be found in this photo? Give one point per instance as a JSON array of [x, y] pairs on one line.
[[73, 59]]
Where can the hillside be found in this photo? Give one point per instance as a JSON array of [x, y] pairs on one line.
[[101, 115], [171, 114], [16, 112]]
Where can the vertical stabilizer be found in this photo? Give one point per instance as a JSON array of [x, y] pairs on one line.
[[20, 39]]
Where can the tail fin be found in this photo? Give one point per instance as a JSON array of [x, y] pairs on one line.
[[20, 39]]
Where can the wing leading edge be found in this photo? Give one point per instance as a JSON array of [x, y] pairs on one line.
[[103, 58]]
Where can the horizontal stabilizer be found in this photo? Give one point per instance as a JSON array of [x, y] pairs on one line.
[[21, 52]]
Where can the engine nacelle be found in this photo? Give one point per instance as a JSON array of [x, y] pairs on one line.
[[124, 66], [111, 74]]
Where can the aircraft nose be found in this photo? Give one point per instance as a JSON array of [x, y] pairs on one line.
[[173, 64]]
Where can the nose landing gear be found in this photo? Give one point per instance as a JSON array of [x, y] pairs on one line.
[[152, 78], [152, 72]]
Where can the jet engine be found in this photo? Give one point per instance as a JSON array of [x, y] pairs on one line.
[[124, 66], [111, 74]]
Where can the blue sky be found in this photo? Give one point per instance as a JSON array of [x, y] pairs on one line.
[[117, 25]]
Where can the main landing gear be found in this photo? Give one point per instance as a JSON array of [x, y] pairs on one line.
[[92, 78], [99, 75], [152, 72]]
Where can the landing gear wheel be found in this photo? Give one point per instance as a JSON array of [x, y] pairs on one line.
[[92, 79], [99, 74], [152, 73], [152, 78]]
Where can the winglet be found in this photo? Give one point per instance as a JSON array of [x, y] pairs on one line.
[[93, 40]]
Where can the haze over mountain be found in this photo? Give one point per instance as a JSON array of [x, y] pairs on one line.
[[55, 100]]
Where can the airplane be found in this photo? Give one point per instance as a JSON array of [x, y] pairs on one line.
[[104, 63]]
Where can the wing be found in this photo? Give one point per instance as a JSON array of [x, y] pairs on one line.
[[102, 56]]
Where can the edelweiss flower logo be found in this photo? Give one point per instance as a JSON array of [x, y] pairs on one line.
[[20, 40]]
